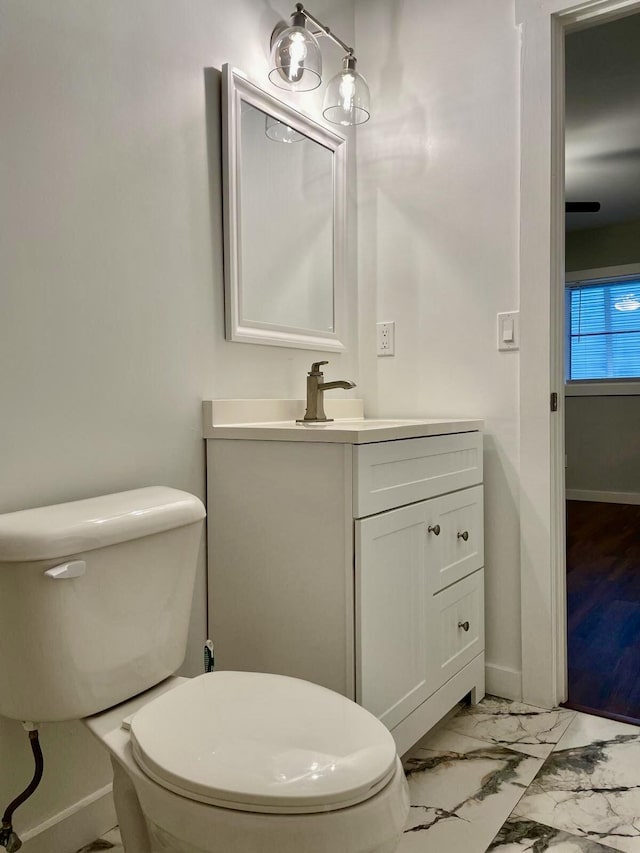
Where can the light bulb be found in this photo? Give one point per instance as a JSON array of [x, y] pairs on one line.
[[347, 91], [298, 54]]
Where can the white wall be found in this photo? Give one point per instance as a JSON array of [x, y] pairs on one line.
[[438, 179], [111, 302], [610, 245], [602, 446]]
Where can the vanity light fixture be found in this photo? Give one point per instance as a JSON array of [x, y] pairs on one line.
[[296, 64]]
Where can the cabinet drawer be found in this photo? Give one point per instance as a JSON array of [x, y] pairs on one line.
[[455, 534], [459, 606], [388, 474]]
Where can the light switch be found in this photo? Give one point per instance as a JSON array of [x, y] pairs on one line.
[[508, 331]]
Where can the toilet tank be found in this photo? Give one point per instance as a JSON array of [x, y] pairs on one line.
[[114, 622]]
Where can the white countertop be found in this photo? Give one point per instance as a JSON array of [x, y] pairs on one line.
[[275, 420]]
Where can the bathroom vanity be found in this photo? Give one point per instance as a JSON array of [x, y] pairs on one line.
[[349, 554]]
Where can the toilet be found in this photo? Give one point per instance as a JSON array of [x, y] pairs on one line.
[[95, 601]]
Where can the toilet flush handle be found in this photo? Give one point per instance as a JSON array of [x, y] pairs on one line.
[[74, 569]]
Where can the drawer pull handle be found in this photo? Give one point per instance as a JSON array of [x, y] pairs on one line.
[[464, 535], [463, 625], [434, 528]]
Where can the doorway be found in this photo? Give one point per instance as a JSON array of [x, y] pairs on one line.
[[602, 367], [543, 24]]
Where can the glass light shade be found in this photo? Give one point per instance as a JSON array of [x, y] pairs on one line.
[[278, 131], [347, 100], [296, 61]]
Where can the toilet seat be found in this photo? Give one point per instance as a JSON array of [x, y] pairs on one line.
[[262, 743]]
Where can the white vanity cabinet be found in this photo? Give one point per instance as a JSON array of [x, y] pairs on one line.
[[358, 566]]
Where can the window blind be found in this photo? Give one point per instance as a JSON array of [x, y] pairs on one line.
[[604, 331]]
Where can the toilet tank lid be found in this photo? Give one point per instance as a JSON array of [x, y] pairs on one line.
[[61, 530]]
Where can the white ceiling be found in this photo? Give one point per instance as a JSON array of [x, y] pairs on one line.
[[603, 121]]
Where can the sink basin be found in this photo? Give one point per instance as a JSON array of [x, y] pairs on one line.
[[352, 423], [358, 423], [275, 420]]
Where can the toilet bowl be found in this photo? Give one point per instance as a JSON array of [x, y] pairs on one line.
[[252, 762], [95, 598]]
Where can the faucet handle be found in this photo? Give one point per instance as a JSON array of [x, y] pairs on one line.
[[315, 367]]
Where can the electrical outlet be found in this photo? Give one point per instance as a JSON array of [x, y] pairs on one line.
[[386, 338]]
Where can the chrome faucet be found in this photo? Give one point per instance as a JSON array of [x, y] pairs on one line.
[[315, 394]]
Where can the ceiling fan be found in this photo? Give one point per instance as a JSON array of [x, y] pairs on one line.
[[581, 206]]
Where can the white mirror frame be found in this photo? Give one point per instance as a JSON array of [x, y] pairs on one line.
[[235, 89]]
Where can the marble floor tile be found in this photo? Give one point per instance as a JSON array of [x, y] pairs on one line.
[[518, 834], [590, 784], [586, 729], [514, 725], [462, 790]]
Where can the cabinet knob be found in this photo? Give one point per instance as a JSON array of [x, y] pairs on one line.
[[464, 535], [434, 528], [463, 625]]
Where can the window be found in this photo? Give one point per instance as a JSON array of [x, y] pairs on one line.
[[603, 329]]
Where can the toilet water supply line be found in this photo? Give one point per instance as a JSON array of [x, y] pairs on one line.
[[8, 837], [209, 659]]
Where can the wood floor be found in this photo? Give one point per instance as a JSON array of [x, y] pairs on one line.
[[603, 608]]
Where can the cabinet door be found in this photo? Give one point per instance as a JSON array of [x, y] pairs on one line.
[[394, 669]]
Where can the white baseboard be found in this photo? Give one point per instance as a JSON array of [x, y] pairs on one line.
[[74, 827], [603, 497], [504, 682]]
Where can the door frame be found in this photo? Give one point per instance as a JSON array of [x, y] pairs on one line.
[[543, 26]]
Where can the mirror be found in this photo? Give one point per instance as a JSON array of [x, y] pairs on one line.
[[284, 221]]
